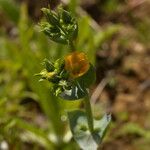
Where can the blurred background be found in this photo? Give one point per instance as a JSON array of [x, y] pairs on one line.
[[115, 34]]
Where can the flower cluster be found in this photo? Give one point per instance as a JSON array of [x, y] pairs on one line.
[[59, 26], [68, 76]]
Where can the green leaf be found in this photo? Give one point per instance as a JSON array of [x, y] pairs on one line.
[[88, 78], [59, 65], [51, 16], [53, 32], [48, 65], [68, 24], [66, 17], [81, 133]]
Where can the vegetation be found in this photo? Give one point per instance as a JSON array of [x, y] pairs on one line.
[[115, 36]]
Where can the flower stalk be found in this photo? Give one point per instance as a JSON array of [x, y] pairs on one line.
[[72, 46], [89, 114]]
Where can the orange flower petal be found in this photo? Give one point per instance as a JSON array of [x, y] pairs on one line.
[[76, 64]]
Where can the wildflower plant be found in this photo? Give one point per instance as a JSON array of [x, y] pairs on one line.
[[71, 77]]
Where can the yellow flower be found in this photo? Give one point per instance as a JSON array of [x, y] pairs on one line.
[[76, 64]]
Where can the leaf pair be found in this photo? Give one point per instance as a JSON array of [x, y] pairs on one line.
[[82, 135]]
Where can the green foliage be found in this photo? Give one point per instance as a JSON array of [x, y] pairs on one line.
[[62, 84], [133, 129], [59, 26], [71, 78], [20, 59], [110, 7], [20, 54], [88, 78], [29, 113], [11, 9]]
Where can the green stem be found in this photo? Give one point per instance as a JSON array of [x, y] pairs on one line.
[[88, 110], [71, 44]]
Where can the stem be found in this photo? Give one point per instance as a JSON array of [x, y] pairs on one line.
[[89, 113], [71, 44]]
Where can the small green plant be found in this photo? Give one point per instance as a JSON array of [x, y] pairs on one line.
[[70, 78]]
